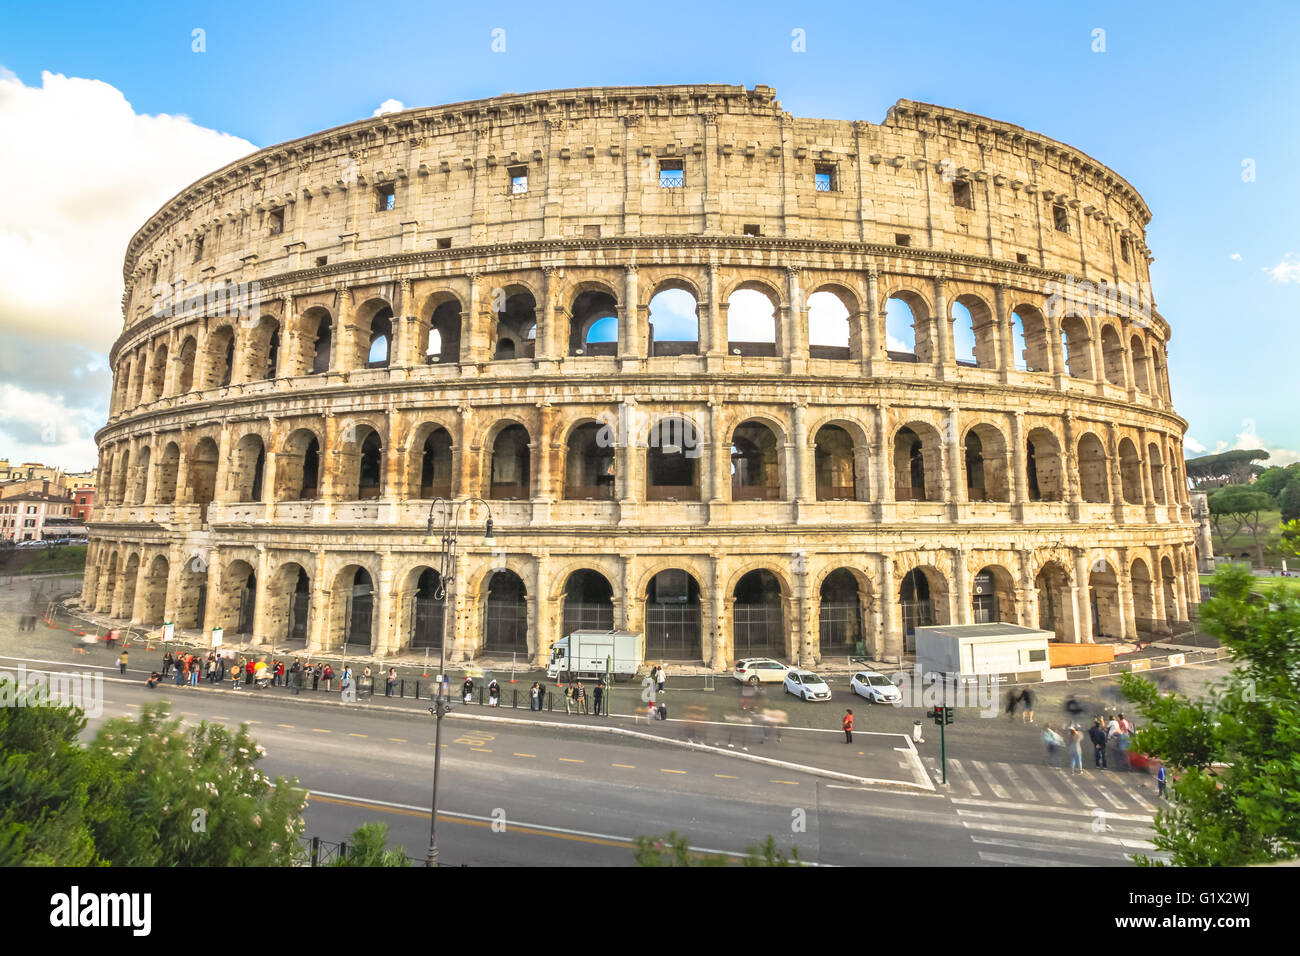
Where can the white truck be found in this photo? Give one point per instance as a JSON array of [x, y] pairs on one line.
[[584, 654]]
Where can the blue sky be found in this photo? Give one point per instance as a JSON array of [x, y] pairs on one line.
[[1183, 95]]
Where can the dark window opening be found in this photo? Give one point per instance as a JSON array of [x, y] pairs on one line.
[[276, 220], [902, 239], [444, 243], [963, 197], [1060, 218], [518, 179], [752, 229], [385, 197]]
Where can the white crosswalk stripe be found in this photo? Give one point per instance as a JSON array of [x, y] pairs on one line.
[[1042, 835], [993, 785], [1010, 772], [1043, 785], [965, 778]]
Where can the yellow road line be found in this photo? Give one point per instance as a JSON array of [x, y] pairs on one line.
[[481, 750], [398, 740], [358, 735], [726, 776], [663, 770], [793, 783], [625, 766], [571, 760], [285, 726], [220, 717], [317, 730], [132, 705], [525, 755]]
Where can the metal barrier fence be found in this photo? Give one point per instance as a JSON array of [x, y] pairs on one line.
[[325, 853]]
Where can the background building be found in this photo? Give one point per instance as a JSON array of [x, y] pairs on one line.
[[652, 327]]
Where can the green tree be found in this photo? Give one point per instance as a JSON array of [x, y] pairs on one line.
[[1240, 507], [1235, 753], [1273, 480], [1291, 536], [192, 797], [368, 847], [675, 850], [1289, 501]]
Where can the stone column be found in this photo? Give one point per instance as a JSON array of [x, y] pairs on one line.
[[629, 316], [1006, 339], [943, 329], [224, 491], [631, 613], [794, 332], [961, 574], [1124, 583], [1083, 598], [874, 339], [720, 456], [624, 450], [329, 461], [386, 639], [1019, 462], [1055, 355], [1070, 468], [1116, 476], [262, 597], [952, 454], [465, 453], [216, 584], [1148, 482], [290, 341], [406, 349], [806, 649], [545, 620], [881, 459], [803, 461], [1026, 593], [546, 318], [715, 338], [722, 649], [891, 631], [342, 342]]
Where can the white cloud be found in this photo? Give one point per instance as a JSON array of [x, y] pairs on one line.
[[389, 106], [1235, 257], [1192, 445], [1248, 438], [89, 172], [82, 171], [1288, 270]]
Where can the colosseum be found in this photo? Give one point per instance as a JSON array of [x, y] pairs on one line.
[[747, 383]]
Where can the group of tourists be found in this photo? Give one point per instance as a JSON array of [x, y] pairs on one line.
[[1111, 739], [189, 670]]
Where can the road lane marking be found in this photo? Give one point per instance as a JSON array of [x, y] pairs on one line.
[[571, 760], [133, 705], [993, 785], [625, 766], [793, 783], [317, 730], [526, 755], [285, 726], [220, 717], [665, 770], [358, 735], [726, 776], [481, 750], [398, 740]]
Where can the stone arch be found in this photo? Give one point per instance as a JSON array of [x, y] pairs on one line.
[[262, 350], [1141, 376], [760, 609], [1130, 472], [298, 467], [1044, 466], [509, 465], [673, 616], [140, 482], [593, 318], [1169, 583], [1155, 463], [220, 357], [361, 464], [288, 600], [516, 324], [918, 471], [674, 452], [922, 601], [841, 464], [192, 593], [168, 468], [505, 613], [1103, 593], [122, 474], [753, 310], [1144, 603], [236, 607], [189, 357], [979, 338], [673, 320], [249, 464], [124, 599], [587, 602], [430, 462], [1112, 354], [845, 603], [757, 462], [985, 464], [158, 372], [423, 609], [352, 608], [315, 340], [993, 596], [1055, 611], [909, 328], [108, 585], [373, 328], [440, 328], [833, 317], [1077, 346], [1094, 468], [1030, 332], [589, 462], [153, 607]]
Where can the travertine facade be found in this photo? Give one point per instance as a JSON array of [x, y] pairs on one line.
[[427, 289]]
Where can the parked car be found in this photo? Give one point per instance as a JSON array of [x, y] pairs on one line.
[[806, 685], [759, 670], [875, 687]]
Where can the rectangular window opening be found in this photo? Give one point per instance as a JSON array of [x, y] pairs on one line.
[[1060, 218], [753, 229], [444, 243], [385, 197], [824, 177], [518, 179], [1022, 258], [322, 260], [672, 175], [591, 232], [963, 197], [1123, 249], [902, 239], [277, 221]]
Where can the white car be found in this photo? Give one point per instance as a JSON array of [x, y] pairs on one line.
[[806, 685], [759, 670], [875, 687]]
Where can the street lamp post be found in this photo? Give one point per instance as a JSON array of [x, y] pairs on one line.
[[445, 592]]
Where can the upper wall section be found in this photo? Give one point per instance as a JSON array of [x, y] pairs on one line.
[[629, 162]]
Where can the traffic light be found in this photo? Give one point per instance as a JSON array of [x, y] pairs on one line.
[[937, 715], [948, 714]]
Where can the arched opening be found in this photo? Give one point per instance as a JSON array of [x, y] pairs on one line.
[[1078, 347], [907, 329], [751, 323], [221, 357], [434, 478], [108, 587], [264, 350], [509, 467], [361, 465], [1144, 613], [674, 323], [153, 608], [140, 485], [1094, 483], [755, 463], [1141, 376], [673, 452], [589, 463], [237, 602], [442, 334], [202, 476], [1043, 463], [588, 603], [917, 472], [1030, 340], [830, 327], [516, 333], [141, 374], [506, 614], [593, 326], [672, 617], [974, 332], [189, 349], [317, 340], [835, 465], [1170, 584], [289, 598], [1052, 585], [993, 596], [297, 473], [839, 618], [1112, 354], [168, 467], [192, 596], [1130, 473], [1156, 464], [122, 476], [158, 373], [354, 607], [428, 613], [922, 602], [1103, 592], [376, 338], [124, 604], [758, 616], [250, 461], [985, 456]]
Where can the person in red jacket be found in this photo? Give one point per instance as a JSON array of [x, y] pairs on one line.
[[848, 726]]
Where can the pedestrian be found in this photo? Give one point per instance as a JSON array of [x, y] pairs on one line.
[[235, 674], [1027, 699], [314, 673], [121, 663], [327, 675], [391, 683], [347, 689], [467, 689], [212, 667], [660, 674], [248, 673], [494, 694], [109, 638], [179, 671], [582, 698], [847, 723], [221, 668], [541, 695], [167, 664], [1125, 724], [368, 682], [534, 697], [598, 696], [295, 676], [1012, 699], [1160, 781], [1053, 742], [1098, 737], [196, 669], [568, 699], [279, 673], [1076, 750], [154, 678]]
